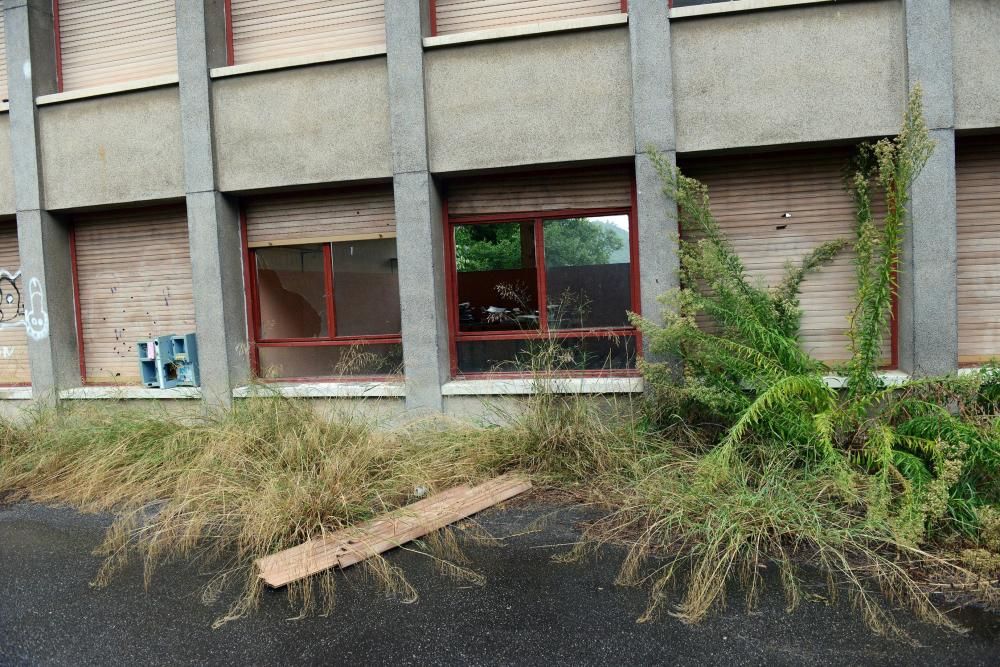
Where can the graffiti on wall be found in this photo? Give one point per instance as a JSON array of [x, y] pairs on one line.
[[11, 307], [17, 311]]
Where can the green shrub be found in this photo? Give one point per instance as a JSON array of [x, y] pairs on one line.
[[853, 478]]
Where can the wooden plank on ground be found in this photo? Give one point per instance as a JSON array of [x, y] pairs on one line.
[[346, 547]]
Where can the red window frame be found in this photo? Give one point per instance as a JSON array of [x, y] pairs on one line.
[[433, 14], [538, 218], [230, 49], [257, 341]]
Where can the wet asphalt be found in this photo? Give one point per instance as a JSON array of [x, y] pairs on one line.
[[530, 611]]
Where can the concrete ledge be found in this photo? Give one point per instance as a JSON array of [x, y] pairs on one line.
[[128, 393], [15, 393], [297, 61], [526, 30], [972, 370], [323, 390], [738, 6], [4, 106], [528, 386], [890, 378], [111, 89]]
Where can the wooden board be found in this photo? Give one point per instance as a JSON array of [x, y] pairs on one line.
[[977, 177], [465, 15], [328, 215], [134, 280], [269, 29], [353, 545], [14, 365], [111, 41], [750, 195]]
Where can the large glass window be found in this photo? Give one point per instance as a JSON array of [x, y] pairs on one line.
[[326, 309], [543, 293]]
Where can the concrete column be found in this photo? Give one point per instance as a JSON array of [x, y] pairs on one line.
[[419, 226], [653, 118], [43, 240], [928, 283], [213, 219]]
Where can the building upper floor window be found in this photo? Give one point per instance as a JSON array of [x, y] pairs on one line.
[[101, 42], [323, 285], [265, 29], [3, 60], [543, 273], [774, 209], [14, 303], [132, 282], [451, 16]]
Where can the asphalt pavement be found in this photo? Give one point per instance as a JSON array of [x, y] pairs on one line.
[[530, 611]]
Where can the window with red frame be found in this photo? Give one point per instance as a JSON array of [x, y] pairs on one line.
[[543, 292], [323, 308]]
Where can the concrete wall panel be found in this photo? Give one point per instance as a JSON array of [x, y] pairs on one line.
[[975, 30], [7, 206], [309, 125], [112, 149], [534, 100], [795, 75]]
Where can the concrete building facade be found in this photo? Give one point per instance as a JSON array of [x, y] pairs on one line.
[[398, 200]]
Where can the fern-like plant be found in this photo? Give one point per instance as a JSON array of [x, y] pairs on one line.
[[924, 460]]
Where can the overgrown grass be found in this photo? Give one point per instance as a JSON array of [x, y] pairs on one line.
[[229, 488]]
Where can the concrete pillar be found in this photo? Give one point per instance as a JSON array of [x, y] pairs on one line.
[[43, 240], [213, 219], [653, 118], [419, 225], [928, 283]]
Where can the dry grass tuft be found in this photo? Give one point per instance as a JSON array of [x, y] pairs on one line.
[[231, 488]]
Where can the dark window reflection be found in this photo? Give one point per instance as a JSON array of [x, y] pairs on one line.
[[366, 287], [587, 272], [291, 292], [547, 355], [331, 361], [497, 277]]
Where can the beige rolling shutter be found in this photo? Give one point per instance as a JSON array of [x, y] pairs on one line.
[[464, 15], [3, 61], [14, 366], [110, 41], [978, 192], [134, 279], [316, 217], [266, 29], [750, 196], [603, 187]]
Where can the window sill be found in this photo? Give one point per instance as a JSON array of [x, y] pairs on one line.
[[526, 30], [323, 390], [890, 378], [112, 393], [110, 89], [737, 6], [971, 370], [297, 61], [4, 107], [15, 393], [529, 386]]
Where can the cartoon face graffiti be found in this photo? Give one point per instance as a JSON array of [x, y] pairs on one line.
[[11, 306], [36, 319]]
